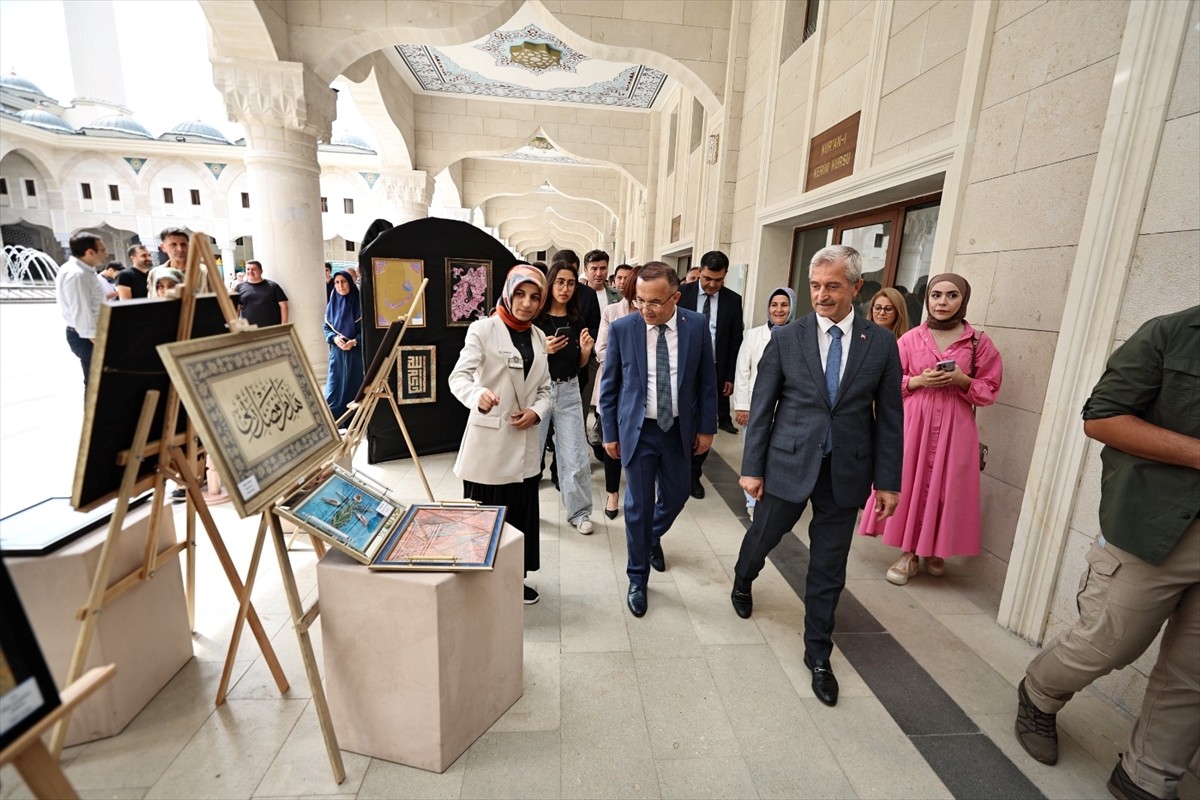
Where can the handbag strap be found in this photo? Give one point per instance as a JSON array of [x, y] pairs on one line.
[[974, 354]]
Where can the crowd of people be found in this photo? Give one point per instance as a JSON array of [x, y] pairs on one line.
[[869, 418]]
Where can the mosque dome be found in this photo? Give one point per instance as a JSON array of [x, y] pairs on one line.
[[16, 83], [195, 130], [44, 119], [119, 124], [351, 141]]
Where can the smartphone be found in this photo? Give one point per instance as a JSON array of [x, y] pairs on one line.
[[945, 366], [563, 331]]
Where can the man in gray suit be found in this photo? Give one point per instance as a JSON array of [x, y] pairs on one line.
[[826, 422]]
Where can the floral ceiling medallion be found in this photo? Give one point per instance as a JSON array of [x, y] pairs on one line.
[[532, 49], [634, 87]]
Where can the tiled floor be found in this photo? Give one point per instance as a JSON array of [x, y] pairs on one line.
[[689, 701]]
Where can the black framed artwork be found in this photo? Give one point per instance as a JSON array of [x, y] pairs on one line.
[[27, 690]]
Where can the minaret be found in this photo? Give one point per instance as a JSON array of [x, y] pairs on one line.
[[95, 61]]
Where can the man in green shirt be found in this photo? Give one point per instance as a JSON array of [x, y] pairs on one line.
[[1144, 569]]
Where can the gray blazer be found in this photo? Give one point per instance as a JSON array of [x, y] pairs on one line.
[[790, 415]]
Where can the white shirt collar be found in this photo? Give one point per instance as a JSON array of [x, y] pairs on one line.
[[847, 323], [671, 323]]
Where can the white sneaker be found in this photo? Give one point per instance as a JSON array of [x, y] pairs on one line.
[[584, 525]]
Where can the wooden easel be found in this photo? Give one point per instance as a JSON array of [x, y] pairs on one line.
[[40, 770], [177, 457], [380, 389]]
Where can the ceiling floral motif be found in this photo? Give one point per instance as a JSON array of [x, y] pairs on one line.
[[531, 49]]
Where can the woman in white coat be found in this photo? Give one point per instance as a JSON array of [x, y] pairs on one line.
[[503, 379], [781, 309]]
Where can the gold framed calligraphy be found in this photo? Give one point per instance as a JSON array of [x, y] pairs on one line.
[[416, 374], [256, 404], [395, 282]]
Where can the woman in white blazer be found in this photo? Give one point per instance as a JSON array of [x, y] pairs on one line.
[[503, 379], [781, 309]]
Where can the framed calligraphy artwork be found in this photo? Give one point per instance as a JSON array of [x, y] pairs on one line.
[[416, 374], [256, 404], [444, 538], [27, 689], [395, 282], [468, 287], [347, 510]]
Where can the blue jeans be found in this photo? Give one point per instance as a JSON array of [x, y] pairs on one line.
[[571, 455]]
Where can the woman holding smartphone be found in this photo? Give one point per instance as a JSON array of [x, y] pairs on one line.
[[569, 346], [503, 380], [949, 369]]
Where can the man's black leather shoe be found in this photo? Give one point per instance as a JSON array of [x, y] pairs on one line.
[[658, 561], [743, 602], [637, 600], [824, 685], [727, 426], [697, 489]]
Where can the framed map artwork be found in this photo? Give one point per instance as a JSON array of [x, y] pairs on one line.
[[396, 281], [256, 404], [347, 510], [468, 287], [443, 538], [416, 374]]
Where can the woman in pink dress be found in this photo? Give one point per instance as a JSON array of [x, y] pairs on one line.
[[949, 367]]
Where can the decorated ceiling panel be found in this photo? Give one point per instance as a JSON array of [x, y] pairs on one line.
[[524, 62]]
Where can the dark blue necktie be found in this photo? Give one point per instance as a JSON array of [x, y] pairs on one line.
[[833, 368], [662, 369]]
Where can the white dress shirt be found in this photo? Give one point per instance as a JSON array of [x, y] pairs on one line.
[[824, 339], [79, 296], [652, 366]]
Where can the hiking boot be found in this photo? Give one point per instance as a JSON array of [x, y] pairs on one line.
[[1037, 731]]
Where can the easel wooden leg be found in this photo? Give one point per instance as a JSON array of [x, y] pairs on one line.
[[42, 774], [301, 622], [264, 642], [412, 450], [107, 553], [243, 609]]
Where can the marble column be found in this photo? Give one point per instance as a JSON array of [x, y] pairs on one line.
[[285, 110]]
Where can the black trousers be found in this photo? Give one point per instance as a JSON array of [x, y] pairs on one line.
[[830, 534], [522, 512], [82, 348]]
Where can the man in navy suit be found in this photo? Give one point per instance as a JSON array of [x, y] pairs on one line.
[[826, 422], [658, 406], [722, 310]]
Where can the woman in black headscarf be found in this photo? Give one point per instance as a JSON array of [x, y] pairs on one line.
[[343, 332]]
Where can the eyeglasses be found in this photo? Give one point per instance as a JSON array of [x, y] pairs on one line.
[[640, 303], [883, 309], [565, 284]]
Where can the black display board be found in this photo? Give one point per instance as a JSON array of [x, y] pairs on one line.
[[437, 426]]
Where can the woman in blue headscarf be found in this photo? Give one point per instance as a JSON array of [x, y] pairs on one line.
[[781, 309], [343, 330]]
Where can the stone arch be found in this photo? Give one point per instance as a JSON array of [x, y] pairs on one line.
[[157, 164], [547, 218], [482, 200], [507, 146], [47, 176], [241, 29], [556, 233]]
